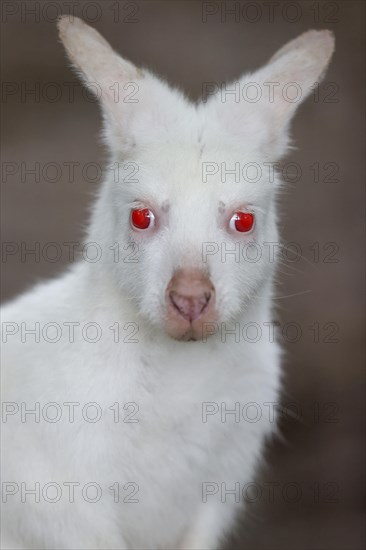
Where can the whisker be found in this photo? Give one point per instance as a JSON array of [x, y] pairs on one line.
[[285, 295]]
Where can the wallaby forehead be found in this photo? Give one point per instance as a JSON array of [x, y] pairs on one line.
[[184, 173]]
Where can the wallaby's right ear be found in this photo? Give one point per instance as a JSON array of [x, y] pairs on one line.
[[137, 106], [100, 67]]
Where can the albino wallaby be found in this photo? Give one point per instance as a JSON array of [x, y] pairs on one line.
[[122, 360]]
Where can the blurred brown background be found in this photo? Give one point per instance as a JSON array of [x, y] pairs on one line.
[[317, 471]]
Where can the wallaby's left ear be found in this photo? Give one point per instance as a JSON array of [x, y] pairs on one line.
[[295, 69], [278, 89]]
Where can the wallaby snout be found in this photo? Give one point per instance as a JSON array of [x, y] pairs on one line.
[[190, 300]]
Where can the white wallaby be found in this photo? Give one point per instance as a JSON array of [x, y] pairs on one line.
[[128, 362]]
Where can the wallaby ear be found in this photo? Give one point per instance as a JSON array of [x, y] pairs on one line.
[[295, 69], [100, 67], [137, 106], [113, 80], [270, 96]]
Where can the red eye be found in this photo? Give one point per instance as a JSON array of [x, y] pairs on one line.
[[142, 218], [242, 222]]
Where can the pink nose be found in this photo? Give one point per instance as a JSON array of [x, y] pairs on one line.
[[191, 294]]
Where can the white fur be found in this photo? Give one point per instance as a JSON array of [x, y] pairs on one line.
[[170, 452]]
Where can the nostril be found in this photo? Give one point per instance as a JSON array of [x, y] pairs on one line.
[[189, 307], [205, 300], [207, 297]]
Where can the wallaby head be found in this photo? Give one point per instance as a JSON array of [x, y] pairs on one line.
[[200, 183]]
